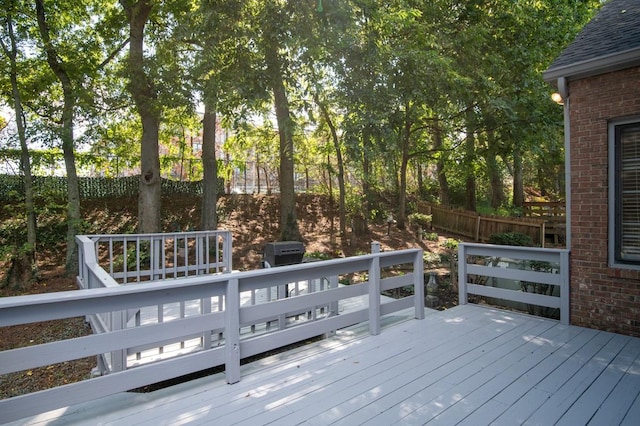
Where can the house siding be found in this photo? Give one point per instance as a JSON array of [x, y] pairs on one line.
[[601, 297]]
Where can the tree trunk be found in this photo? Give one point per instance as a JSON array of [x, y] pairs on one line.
[[366, 180], [493, 170], [73, 190], [404, 163], [342, 212], [24, 260], [518, 181], [209, 216], [288, 219], [443, 183], [470, 177], [144, 96]]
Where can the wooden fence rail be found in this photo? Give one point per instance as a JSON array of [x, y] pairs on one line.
[[480, 228], [552, 212]]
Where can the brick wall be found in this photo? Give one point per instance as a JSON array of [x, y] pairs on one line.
[[601, 297]]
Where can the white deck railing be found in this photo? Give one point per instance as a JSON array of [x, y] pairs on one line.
[[132, 258], [539, 277], [124, 259], [403, 269]]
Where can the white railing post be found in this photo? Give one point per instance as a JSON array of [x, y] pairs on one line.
[[119, 357], [462, 274], [227, 251], [374, 295], [418, 285], [565, 286], [333, 306], [232, 332], [375, 247]]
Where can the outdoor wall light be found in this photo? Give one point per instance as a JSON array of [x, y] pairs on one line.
[[557, 98]]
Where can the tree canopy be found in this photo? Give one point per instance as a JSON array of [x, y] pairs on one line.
[[441, 100]]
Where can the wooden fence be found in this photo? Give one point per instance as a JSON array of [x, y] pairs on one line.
[[480, 228], [552, 212]]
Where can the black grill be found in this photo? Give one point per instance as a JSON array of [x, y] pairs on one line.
[[280, 253]]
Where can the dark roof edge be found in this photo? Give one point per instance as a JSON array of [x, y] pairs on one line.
[[591, 67]]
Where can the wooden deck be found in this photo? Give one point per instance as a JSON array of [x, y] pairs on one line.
[[468, 365]]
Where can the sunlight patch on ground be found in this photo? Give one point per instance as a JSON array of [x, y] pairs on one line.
[[537, 340]]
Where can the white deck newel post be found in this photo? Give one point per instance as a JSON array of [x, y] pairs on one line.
[[418, 285], [374, 296], [462, 274], [232, 332], [565, 288], [375, 247]]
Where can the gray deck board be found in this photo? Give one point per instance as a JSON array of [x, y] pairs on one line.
[[469, 365]]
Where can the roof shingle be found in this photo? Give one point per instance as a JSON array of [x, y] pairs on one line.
[[615, 29]]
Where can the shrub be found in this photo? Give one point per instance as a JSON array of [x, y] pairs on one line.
[[421, 220], [317, 255], [431, 236], [450, 243], [511, 239]]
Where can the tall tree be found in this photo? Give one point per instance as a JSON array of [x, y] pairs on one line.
[[144, 94], [209, 216], [24, 260], [275, 22], [61, 70]]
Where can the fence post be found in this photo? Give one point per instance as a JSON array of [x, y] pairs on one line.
[[462, 274], [232, 332], [374, 296], [418, 285]]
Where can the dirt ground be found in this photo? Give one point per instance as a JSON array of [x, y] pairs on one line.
[[252, 220]]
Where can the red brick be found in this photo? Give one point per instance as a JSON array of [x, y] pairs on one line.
[[601, 297]]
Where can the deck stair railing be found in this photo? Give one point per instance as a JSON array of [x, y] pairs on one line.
[[380, 272], [515, 274], [142, 258], [133, 258]]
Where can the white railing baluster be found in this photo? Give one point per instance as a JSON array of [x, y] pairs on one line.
[[110, 255], [125, 268], [163, 257], [186, 256]]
